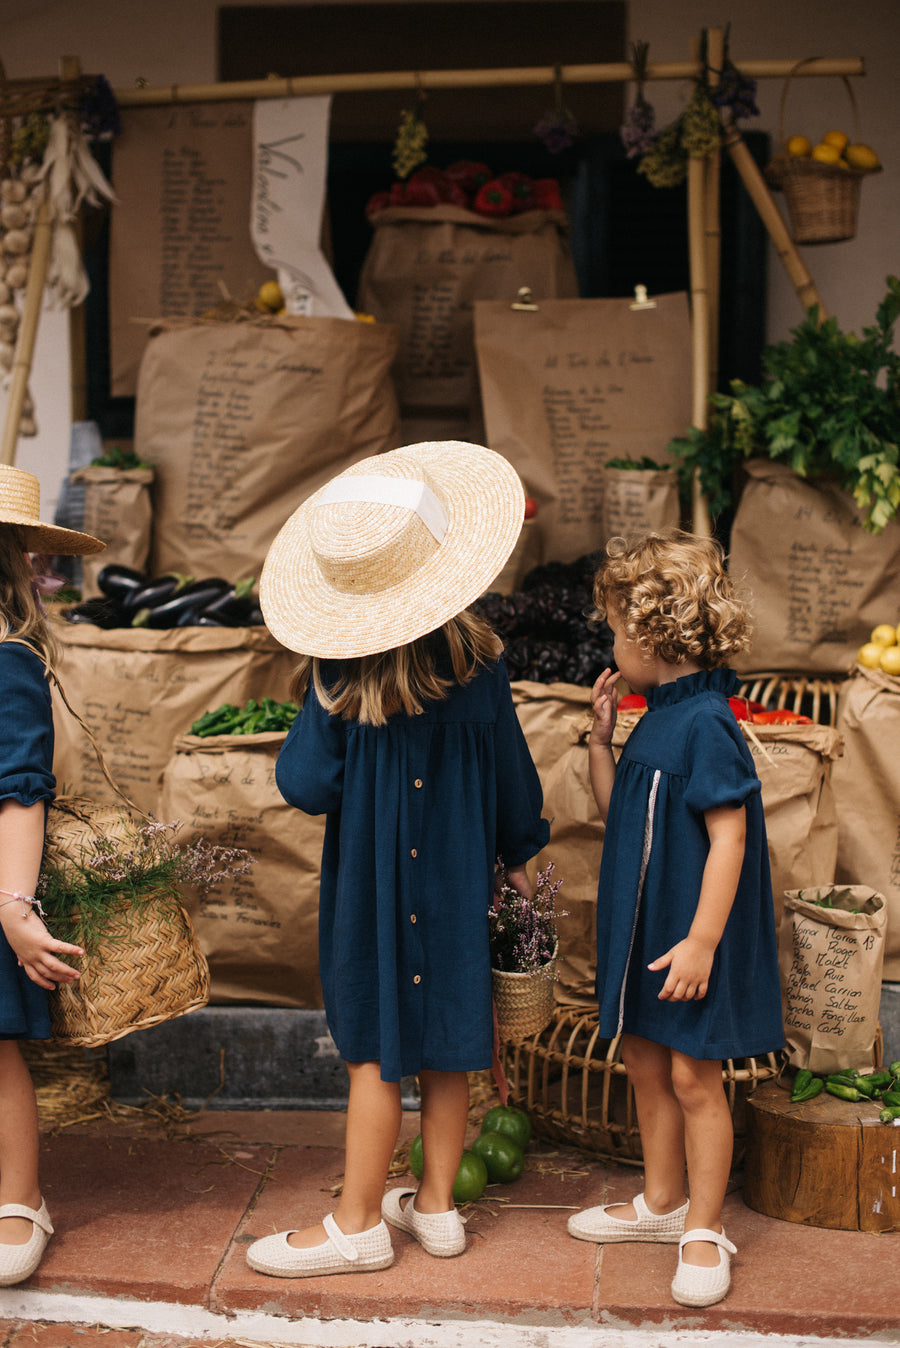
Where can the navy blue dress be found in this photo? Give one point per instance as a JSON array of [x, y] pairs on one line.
[[686, 755], [417, 811], [26, 775]]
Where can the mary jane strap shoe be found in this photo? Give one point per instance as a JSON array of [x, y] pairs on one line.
[[360, 1253], [696, 1285], [440, 1233], [599, 1225], [18, 1262]]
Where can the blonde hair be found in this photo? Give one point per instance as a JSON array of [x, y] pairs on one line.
[[21, 615], [371, 688], [674, 598]]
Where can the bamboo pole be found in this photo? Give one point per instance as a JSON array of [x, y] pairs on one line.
[[712, 222], [31, 312], [425, 80], [771, 217], [700, 319]]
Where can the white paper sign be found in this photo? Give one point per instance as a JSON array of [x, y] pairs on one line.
[[290, 154]]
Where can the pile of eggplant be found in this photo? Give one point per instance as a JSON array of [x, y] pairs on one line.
[[132, 598]]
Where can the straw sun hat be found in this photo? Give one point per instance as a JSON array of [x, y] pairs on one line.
[[391, 549], [20, 503]]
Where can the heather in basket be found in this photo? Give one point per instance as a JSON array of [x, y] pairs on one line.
[[523, 931]]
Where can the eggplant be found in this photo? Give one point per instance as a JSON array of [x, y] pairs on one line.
[[155, 591], [117, 582], [182, 608], [100, 611], [234, 606]]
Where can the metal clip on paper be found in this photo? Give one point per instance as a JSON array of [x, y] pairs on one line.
[[524, 301], [640, 300]]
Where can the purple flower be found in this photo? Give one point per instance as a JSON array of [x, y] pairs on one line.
[[557, 129], [638, 130]]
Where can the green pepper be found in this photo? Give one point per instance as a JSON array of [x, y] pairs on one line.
[[215, 722], [801, 1081], [890, 1098], [841, 1090], [881, 1080], [865, 1087], [890, 1114], [809, 1092]]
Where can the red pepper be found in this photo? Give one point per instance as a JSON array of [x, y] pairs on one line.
[[379, 202], [744, 708], [522, 189], [415, 194], [547, 195], [469, 175], [632, 702], [780, 717], [494, 198]]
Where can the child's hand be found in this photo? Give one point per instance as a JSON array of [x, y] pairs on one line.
[[517, 876], [604, 700], [37, 951], [689, 964]]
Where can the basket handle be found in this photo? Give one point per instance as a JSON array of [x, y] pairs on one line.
[[808, 60]]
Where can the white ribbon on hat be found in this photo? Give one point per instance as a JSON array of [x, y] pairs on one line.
[[378, 489]]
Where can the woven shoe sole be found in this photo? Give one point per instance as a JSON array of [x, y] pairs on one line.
[[598, 1225], [340, 1253], [440, 1233]]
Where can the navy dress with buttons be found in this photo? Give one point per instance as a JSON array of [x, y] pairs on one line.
[[417, 811], [26, 775]]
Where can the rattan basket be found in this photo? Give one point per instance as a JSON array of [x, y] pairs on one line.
[[815, 697], [822, 199], [524, 1002], [575, 1088]]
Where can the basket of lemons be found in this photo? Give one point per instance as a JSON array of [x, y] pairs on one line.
[[821, 180]]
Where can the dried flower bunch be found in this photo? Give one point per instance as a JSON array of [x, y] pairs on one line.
[[141, 866], [523, 933]]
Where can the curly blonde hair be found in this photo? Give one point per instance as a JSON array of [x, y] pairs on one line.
[[674, 598]]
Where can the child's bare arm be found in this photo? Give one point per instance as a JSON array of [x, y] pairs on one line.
[[602, 765], [21, 846], [690, 961]]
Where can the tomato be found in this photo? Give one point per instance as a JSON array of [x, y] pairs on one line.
[[531, 507], [510, 1121], [503, 1159], [471, 1178], [632, 702]]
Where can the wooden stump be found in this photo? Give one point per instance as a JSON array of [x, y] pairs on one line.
[[824, 1163]]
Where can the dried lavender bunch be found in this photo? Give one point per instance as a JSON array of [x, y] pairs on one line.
[[523, 931], [638, 131]]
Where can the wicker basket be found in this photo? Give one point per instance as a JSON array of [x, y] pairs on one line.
[[814, 697], [575, 1088], [525, 1002], [822, 199]]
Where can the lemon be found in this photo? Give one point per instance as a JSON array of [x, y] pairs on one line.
[[869, 655], [838, 139], [890, 660], [862, 157], [826, 153], [798, 147], [269, 296], [884, 635]]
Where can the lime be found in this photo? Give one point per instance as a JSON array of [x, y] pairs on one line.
[[513, 1122], [503, 1159], [471, 1177], [416, 1157]]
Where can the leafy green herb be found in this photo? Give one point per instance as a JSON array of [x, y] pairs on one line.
[[632, 465], [828, 406], [117, 457]]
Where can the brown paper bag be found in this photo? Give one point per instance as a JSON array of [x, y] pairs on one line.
[[117, 510], [242, 421], [573, 383], [139, 690], [817, 581], [424, 270], [830, 961], [867, 793], [258, 931], [639, 501]]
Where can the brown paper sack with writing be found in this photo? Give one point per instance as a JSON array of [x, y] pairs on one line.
[[830, 962], [425, 269], [573, 383], [793, 763], [118, 510], [243, 421], [818, 583], [867, 791], [139, 690], [639, 501], [258, 931]]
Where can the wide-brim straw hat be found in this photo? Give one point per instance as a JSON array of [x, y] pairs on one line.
[[20, 503], [391, 549]]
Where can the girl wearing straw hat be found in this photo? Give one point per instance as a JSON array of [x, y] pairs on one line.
[[31, 961], [408, 742]]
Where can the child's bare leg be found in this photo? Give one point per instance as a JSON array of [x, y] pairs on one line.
[[445, 1114], [19, 1143], [662, 1126], [373, 1122], [709, 1141]]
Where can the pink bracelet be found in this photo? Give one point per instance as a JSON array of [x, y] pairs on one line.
[[24, 899]]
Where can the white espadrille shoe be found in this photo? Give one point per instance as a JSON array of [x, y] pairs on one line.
[[362, 1253], [440, 1233], [18, 1262], [696, 1285], [599, 1225]]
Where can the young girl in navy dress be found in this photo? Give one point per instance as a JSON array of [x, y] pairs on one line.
[[686, 951], [31, 961], [409, 743]]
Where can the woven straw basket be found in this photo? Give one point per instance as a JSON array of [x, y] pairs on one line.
[[524, 1002], [822, 199], [147, 966]]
